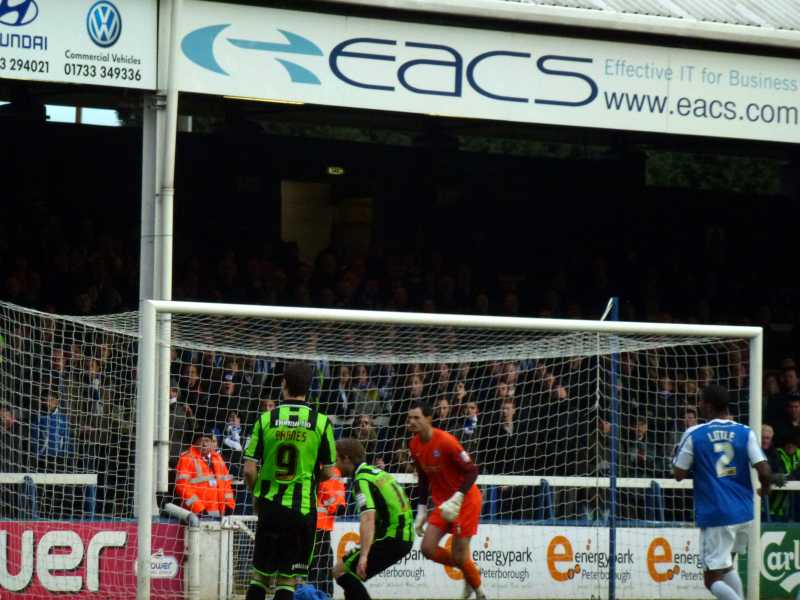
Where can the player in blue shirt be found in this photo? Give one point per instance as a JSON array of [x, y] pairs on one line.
[[719, 454]]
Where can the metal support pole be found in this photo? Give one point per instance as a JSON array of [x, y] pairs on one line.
[[144, 447], [152, 125], [754, 544], [612, 490], [164, 234]]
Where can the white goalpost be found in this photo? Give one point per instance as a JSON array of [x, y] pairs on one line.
[[572, 424], [565, 414]]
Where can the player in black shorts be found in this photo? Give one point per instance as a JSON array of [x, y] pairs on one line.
[[387, 523], [290, 450]]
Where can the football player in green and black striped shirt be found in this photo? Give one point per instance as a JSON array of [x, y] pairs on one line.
[[387, 523], [290, 451]]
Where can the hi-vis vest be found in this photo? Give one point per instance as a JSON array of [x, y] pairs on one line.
[[779, 500], [330, 496], [203, 489]]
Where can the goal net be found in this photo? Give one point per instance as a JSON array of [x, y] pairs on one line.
[[573, 426]]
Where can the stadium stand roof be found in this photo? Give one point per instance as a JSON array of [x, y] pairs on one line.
[[760, 22]]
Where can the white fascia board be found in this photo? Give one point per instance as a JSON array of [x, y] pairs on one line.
[[595, 19]]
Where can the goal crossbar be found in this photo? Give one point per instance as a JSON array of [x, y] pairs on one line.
[[450, 320]]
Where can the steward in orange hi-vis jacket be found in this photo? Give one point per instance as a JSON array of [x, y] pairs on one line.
[[203, 482], [330, 496]]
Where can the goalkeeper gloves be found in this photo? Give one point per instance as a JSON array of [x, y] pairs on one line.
[[450, 508], [419, 522]]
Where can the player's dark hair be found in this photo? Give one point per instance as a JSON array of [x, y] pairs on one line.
[[717, 397], [425, 407], [352, 449], [297, 376]]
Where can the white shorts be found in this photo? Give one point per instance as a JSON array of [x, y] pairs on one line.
[[717, 544]]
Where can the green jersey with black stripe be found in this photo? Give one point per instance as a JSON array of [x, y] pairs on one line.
[[291, 442], [377, 490]]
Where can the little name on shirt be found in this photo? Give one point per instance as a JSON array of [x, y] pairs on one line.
[[719, 435]]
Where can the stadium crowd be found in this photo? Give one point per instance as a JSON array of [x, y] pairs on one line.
[[67, 395]]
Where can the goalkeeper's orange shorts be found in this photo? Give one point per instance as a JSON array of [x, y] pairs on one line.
[[466, 523]]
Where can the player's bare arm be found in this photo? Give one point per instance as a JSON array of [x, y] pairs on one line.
[[764, 477], [680, 474], [367, 534], [250, 473]]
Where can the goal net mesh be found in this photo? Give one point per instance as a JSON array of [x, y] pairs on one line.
[[533, 408]]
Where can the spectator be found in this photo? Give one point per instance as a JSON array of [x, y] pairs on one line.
[[320, 376], [553, 418], [366, 396], [442, 417], [790, 384], [13, 438], [776, 406], [399, 461], [340, 400], [93, 427], [459, 396], [364, 431], [603, 454], [505, 446], [640, 456], [250, 385], [790, 422], [463, 372], [232, 439], [202, 481], [663, 411], [501, 394], [771, 385], [209, 363], [59, 378], [330, 499], [266, 405], [225, 401], [51, 436], [13, 459], [181, 426], [687, 419], [52, 450], [472, 429], [773, 401], [767, 443], [442, 384], [193, 391], [787, 462], [384, 378], [505, 450]]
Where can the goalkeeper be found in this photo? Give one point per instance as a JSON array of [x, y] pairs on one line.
[[443, 463]]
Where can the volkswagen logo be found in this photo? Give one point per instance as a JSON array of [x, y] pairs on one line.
[[18, 12], [104, 24]]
